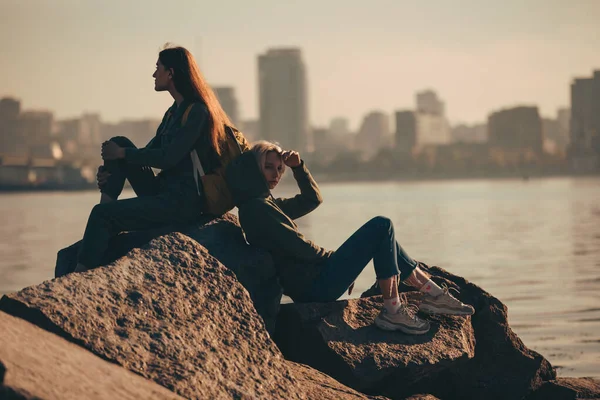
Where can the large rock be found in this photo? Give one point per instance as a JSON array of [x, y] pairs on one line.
[[503, 367], [224, 240], [35, 364], [317, 385], [567, 389], [340, 339], [173, 314]]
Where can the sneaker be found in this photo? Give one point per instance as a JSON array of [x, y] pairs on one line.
[[445, 303], [405, 320]]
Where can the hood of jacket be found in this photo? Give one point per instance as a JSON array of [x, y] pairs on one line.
[[245, 179]]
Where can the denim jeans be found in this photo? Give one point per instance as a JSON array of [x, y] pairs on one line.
[[155, 207], [374, 240]]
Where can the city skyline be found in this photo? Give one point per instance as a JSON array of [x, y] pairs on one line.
[[359, 57]]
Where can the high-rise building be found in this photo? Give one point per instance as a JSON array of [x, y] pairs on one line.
[[518, 128], [226, 96], [283, 98], [584, 152], [563, 116], [373, 134], [432, 127], [406, 131], [10, 135], [429, 103]]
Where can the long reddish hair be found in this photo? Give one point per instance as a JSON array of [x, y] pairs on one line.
[[191, 84]]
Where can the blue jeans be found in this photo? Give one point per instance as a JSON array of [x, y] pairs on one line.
[[374, 240]]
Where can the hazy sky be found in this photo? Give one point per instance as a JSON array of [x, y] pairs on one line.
[[71, 56]]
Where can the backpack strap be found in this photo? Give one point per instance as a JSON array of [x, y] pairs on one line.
[[198, 169], [186, 114]]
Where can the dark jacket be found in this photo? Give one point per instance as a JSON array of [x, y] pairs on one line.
[[170, 149], [268, 222]]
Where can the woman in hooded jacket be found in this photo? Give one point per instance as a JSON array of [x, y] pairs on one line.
[[310, 273]]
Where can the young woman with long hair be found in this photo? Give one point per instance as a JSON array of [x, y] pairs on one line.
[[172, 196], [308, 272]]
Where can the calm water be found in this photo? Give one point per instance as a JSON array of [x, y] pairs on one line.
[[533, 244]]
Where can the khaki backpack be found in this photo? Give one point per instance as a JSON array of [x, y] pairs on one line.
[[216, 191]]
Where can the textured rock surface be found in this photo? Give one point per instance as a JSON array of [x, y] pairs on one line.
[[41, 365], [224, 240], [172, 313], [169, 312], [340, 339], [567, 389], [317, 385], [503, 367]]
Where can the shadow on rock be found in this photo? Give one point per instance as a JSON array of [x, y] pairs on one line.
[[503, 367], [340, 339]]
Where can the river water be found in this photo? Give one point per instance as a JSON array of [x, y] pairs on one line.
[[533, 244]]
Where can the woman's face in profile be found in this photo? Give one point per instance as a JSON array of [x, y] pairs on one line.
[[162, 77], [273, 169]]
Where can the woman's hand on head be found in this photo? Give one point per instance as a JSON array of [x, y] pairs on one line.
[[291, 158], [112, 151]]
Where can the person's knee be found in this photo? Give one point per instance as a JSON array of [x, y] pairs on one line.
[[382, 221], [122, 141], [100, 210]]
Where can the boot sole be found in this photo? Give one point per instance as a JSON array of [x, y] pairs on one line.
[[446, 311], [388, 326]]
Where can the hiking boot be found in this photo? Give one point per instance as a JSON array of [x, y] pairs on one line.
[[445, 303], [405, 320]]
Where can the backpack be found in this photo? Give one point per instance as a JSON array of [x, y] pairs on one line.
[[216, 191]]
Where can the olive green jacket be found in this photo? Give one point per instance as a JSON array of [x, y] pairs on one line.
[[269, 223]]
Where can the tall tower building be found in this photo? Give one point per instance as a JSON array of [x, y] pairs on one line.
[[283, 98], [584, 150], [226, 96]]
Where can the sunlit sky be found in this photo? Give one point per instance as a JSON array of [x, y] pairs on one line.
[[75, 56]]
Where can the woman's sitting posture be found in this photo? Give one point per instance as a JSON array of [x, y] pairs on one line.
[[309, 273]]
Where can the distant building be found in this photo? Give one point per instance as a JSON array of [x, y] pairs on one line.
[[251, 129], [9, 108], [584, 151], [36, 126], [406, 131], [464, 133], [563, 116], [429, 103], [339, 126], [518, 128], [10, 135], [374, 133], [432, 129], [226, 96], [283, 98]]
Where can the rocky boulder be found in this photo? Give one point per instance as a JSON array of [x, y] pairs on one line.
[[503, 367], [174, 314], [340, 339], [35, 364], [224, 240], [567, 389]]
